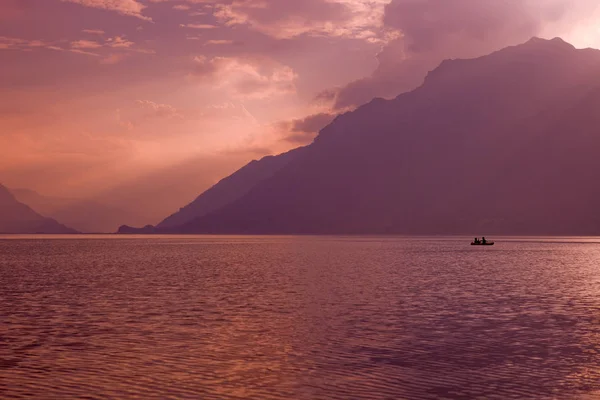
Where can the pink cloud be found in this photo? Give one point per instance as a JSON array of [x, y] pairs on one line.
[[119, 41], [131, 8], [85, 44], [20, 44], [87, 53], [218, 42], [358, 19], [159, 110], [7, 43], [304, 130], [246, 77], [198, 26], [94, 31]]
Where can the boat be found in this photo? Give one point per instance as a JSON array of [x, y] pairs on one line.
[[482, 244]]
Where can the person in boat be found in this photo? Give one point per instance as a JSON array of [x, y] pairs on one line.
[[483, 241], [476, 241]]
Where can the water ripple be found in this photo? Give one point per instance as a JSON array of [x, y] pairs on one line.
[[299, 318]]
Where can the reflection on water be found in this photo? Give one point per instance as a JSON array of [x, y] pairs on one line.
[[299, 318]]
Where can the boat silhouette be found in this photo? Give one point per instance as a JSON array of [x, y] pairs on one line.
[[481, 242]]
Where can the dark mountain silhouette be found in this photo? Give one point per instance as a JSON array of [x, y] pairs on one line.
[[505, 143], [16, 217]]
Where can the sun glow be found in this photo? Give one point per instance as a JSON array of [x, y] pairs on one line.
[[585, 35]]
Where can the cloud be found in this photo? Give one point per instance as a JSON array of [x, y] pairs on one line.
[[20, 44], [85, 44], [93, 31], [430, 31], [198, 26], [81, 46], [87, 53], [72, 50], [358, 19], [218, 42], [311, 124], [131, 8], [8, 43], [119, 41], [304, 130], [257, 78], [11, 43], [148, 118], [158, 110], [229, 110], [115, 42]]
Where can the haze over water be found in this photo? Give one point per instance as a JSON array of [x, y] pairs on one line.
[[299, 318]]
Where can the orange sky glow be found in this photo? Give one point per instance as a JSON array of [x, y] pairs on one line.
[[99, 93]]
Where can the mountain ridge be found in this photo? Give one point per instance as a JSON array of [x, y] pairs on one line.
[[420, 164]]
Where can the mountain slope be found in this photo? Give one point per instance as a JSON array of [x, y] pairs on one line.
[[16, 217], [231, 188], [504, 143]]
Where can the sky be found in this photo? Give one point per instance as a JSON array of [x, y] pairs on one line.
[[100, 94]]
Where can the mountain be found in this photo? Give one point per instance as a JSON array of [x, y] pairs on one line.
[[139, 200], [147, 198], [502, 144], [16, 217], [231, 188], [85, 215]]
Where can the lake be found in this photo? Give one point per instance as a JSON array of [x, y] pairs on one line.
[[190, 317]]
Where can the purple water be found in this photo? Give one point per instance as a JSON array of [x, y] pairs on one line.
[[299, 318]]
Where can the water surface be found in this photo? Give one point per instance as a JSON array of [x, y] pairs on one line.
[[299, 318]]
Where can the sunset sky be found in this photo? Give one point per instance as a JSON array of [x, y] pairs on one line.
[[97, 93]]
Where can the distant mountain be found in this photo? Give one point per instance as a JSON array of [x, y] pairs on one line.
[[85, 215], [506, 143], [16, 217], [45, 205], [92, 216]]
